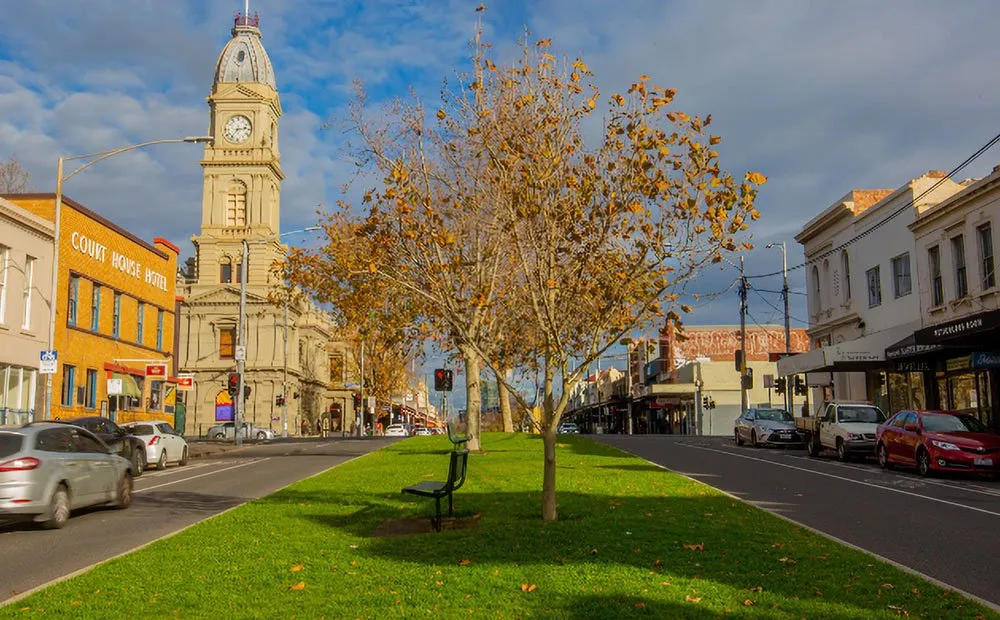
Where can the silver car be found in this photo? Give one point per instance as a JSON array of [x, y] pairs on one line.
[[765, 426], [49, 470], [163, 444], [225, 431]]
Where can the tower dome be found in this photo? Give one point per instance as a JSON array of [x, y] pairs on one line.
[[244, 58]]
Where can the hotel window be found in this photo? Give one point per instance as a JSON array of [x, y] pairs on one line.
[[817, 302], [116, 319], [236, 206], [68, 385], [159, 330], [90, 397], [958, 259], [874, 287], [29, 283], [74, 294], [937, 282], [4, 259], [226, 273], [901, 283], [95, 308], [845, 260], [140, 315], [227, 343], [239, 273], [985, 235]]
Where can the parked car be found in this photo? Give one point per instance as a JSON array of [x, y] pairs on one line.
[[128, 446], [163, 444], [568, 428], [938, 441], [226, 431], [422, 431], [766, 426], [847, 427], [396, 430], [48, 470]]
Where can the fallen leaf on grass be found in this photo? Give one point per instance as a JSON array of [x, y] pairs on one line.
[[692, 599], [696, 547], [594, 551], [297, 568], [464, 562], [786, 560], [749, 603], [888, 586], [439, 583], [76, 603], [665, 583], [640, 606], [354, 546], [528, 587], [299, 586]]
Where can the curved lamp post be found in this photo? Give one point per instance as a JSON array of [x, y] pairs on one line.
[[60, 178]]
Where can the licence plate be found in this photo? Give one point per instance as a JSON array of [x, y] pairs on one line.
[[986, 462]]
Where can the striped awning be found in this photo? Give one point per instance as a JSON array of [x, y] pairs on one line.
[[129, 387]]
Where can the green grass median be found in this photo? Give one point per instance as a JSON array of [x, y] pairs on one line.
[[632, 541]]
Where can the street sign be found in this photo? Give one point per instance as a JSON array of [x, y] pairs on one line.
[[157, 371], [769, 381], [49, 362], [371, 403], [351, 385], [185, 383], [114, 387], [241, 353]]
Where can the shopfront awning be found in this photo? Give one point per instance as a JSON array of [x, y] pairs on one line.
[[866, 353], [908, 347], [129, 387], [968, 330]]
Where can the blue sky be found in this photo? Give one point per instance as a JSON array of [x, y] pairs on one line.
[[822, 97]]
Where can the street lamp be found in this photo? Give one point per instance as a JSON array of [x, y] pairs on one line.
[[94, 158], [241, 336], [789, 398]]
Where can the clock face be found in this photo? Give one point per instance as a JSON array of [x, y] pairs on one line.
[[238, 129]]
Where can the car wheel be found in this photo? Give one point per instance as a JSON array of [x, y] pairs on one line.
[[124, 499], [138, 462], [883, 457], [923, 463], [162, 463], [813, 445], [58, 509], [261, 436], [753, 439], [841, 450], [220, 435], [739, 440], [184, 457]]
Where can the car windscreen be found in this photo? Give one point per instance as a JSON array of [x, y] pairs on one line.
[[140, 429], [866, 415], [774, 415], [10, 444], [944, 423]]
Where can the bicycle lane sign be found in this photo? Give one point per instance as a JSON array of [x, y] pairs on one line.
[[49, 362]]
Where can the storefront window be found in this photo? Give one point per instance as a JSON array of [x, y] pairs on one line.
[[906, 391], [878, 389], [985, 406], [155, 395], [942, 390], [962, 395]]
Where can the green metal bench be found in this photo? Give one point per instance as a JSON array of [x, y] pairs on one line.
[[457, 440], [456, 478]]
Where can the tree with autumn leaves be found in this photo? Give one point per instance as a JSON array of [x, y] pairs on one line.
[[532, 233]]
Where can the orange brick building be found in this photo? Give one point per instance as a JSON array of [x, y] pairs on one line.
[[116, 311]]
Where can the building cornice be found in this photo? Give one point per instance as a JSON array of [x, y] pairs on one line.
[[26, 219], [956, 201]]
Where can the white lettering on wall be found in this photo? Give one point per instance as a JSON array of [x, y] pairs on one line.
[[98, 251]]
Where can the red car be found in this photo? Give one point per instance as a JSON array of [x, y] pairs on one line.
[[937, 441]]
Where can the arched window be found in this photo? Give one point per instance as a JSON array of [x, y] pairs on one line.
[[817, 291], [225, 270], [826, 281], [845, 265], [236, 205]]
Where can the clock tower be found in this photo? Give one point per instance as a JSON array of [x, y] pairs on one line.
[[287, 365]]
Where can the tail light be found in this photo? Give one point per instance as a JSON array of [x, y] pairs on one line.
[[25, 463], [155, 440]]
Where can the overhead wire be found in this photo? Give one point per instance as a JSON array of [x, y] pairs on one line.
[[766, 301], [892, 215]]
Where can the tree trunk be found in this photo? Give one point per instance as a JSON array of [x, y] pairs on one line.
[[549, 477], [472, 397], [508, 418]]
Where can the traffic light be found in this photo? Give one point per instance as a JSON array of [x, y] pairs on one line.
[[233, 386], [748, 379], [780, 383], [246, 392], [704, 402], [279, 400], [357, 402], [738, 356], [707, 403], [800, 386], [442, 380]]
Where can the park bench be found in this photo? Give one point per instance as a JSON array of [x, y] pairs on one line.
[[438, 490], [457, 440]]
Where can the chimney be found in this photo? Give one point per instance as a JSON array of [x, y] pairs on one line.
[[936, 174]]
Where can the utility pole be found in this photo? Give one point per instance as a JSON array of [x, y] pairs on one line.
[[789, 393], [284, 378], [241, 344], [363, 404], [744, 405]]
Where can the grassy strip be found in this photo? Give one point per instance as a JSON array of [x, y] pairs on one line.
[[632, 541]]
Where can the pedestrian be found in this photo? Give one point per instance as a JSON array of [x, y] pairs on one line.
[[378, 429], [326, 426], [319, 427], [305, 427]]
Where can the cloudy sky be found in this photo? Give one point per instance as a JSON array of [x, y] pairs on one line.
[[821, 96]]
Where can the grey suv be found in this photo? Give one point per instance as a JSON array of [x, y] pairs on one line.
[[49, 470]]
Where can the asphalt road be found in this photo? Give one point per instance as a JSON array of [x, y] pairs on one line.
[[946, 528], [164, 502]]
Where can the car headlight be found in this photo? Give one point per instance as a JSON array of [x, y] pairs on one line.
[[944, 445], [855, 436]]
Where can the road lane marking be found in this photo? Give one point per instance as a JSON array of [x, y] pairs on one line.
[[208, 473], [836, 477]]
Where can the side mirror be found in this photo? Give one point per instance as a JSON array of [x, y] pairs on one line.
[[911, 428]]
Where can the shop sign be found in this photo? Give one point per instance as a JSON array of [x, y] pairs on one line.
[[99, 252], [114, 387], [185, 383], [911, 366], [983, 359], [959, 363], [982, 322], [49, 362], [909, 350], [158, 371]]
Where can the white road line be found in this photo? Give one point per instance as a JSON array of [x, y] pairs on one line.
[[209, 473], [867, 484]]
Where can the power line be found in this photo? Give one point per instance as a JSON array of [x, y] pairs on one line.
[[764, 290], [892, 215], [765, 300]]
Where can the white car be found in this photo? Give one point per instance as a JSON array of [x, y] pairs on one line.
[[423, 431], [163, 444], [396, 430]]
